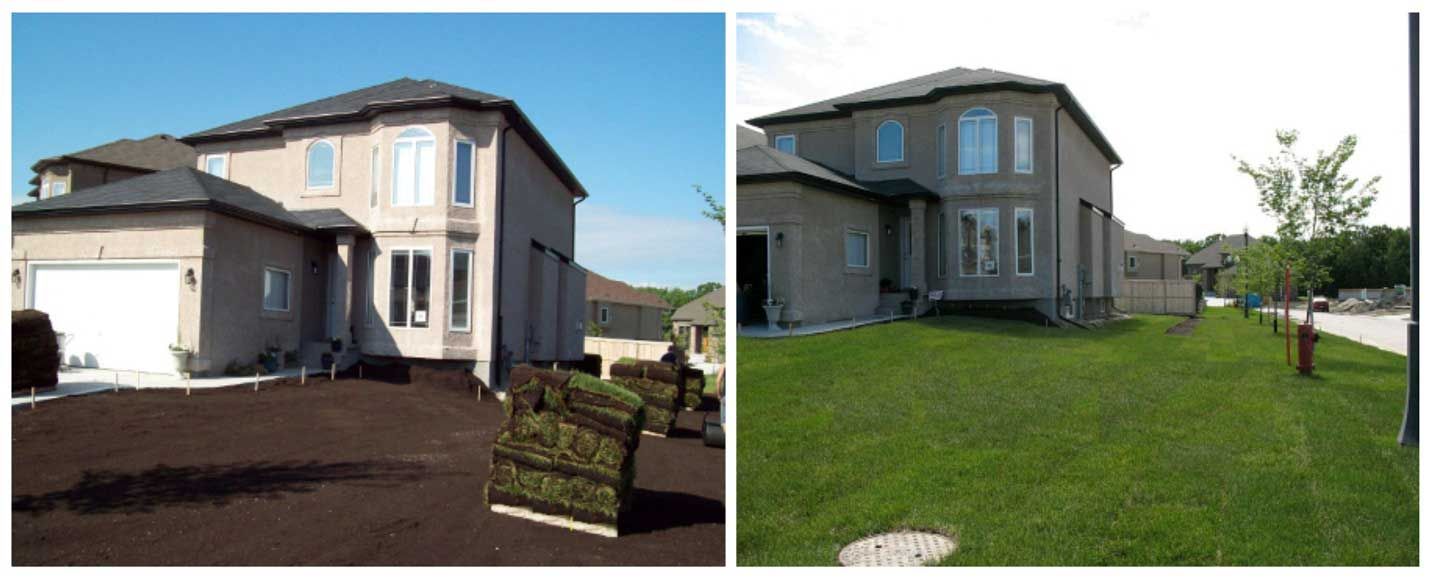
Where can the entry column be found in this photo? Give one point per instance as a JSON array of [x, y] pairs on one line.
[[344, 297]]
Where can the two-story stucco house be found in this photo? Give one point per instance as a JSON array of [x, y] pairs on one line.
[[412, 219], [621, 311], [1149, 258], [105, 163], [994, 188], [1217, 259]]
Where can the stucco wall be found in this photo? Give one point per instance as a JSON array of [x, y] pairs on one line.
[[1085, 174], [626, 321], [1154, 266], [827, 141]]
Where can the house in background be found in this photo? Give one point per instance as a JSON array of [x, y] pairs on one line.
[[1217, 259], [412, 219], [1149, 258], [694, 321], [111, 162], [622, 311], [993, 188]]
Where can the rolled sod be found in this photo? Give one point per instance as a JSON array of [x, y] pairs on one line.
[[694, 387], [660, 387], [566, 450]]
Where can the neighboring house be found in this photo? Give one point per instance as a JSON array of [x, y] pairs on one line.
[[412, 219], [1149, 258], [1217, 260], [994, 188], [622, 311], [694, 321], [111, 162]]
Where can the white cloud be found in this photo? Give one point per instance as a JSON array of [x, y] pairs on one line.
[[1177, 90], [648, 249]]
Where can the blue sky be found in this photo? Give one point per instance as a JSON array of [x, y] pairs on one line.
[[633, 103]]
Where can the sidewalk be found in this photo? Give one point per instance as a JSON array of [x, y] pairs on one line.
[[76, 381], [763, 331], [1387, 332]]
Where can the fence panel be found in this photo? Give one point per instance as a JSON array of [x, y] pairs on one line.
[[611, 349], [1157, 296]]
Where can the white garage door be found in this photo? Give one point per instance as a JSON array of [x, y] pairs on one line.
[[118, 315]]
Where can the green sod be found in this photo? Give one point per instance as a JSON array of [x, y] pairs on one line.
[[1045, 446]]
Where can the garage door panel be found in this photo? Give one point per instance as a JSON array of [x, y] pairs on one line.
[[121, 316]]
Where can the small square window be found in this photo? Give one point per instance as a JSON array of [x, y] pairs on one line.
[[856, 249], [276, 289], [785, 143], [216, 165]]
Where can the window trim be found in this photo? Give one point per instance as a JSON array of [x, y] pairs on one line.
[[941, 149], [392, 253], [374, 176], [308, 166], [1017, 120], [205, 163], [371, 309], [603, 314], [851, 230], [1032, 242], [978, 140], [452, 289], [794, 149], [878, 152], [978, 212], [60, 185], [288, 289], [471, 176], [415, 141]]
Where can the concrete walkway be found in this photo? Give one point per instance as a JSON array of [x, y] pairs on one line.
[[1387, 332], [763, 331], [76, 381]]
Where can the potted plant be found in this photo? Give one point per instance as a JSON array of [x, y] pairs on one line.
[[181, 355], [773, 307], [275, 356], [886, 285], [337, 344]]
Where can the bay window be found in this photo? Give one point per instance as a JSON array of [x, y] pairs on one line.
[[978, 142], [414, 168], [409, 288], [978, 242]]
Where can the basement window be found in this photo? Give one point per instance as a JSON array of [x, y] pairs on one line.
[[410, 287]]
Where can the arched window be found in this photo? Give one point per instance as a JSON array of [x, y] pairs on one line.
[[320, 165], [414, 168], [978, 142], [889, 142]]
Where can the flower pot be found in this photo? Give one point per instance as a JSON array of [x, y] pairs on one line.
[[181, 361], [772, 316]]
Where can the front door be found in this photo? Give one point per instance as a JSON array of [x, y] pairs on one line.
[[752, 274], [906, 254]]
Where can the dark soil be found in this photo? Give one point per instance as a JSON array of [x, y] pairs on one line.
[[333, 473], [1185, 327]]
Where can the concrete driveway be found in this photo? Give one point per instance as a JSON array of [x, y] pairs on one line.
[[1386, 332]]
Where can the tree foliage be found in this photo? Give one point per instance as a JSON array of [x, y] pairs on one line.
[[716, 210], [1312, 200], [1374, 257], [677, 297]]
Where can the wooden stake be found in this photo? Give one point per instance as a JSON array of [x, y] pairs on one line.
[[32, 398], [188, 384], [304, 378], [116, 382], [359, 371], [255, 380], [138, 380], [333, 373]]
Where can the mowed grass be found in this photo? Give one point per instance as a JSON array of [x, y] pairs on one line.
[[1038, 446]]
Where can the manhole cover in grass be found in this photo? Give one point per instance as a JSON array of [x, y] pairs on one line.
[[905, 548]]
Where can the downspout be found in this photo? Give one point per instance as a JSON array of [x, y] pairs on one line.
[[497, 351], [1057, 214]]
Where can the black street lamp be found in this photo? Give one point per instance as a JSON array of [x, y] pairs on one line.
[[1410, 426]]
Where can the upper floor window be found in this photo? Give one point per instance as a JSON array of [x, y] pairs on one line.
[[463, 170], [1023, 145], [889, 142], [216, 164], [978, 142], [320, 165], [941, 149], [57, 188], [414, 168], [785, 143]]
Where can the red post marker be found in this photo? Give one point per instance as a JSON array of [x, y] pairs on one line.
[[1287, 294]]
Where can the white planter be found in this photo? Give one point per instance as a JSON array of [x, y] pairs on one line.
[[772, 316], [181, 361]]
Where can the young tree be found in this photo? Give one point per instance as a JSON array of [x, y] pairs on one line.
[[716, 211], [1312, 201]]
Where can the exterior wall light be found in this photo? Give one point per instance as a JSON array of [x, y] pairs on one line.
[[888, 230], [15, 276], [314, 265], [190, 280], [779, 240]]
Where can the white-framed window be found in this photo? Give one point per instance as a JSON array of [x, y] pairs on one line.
[[321, 160], [277, 289], [978, 242], [44, 191], [1023, 145], [786, 143], [1131, 263], [460, 302], [856, 248], [464, 172], [941, 149], [889, 142], [942, 244], [1023, 241], [409, 288], [371, 287], [978, 142], [216, 165], [374, 176], [57, 189], [603, 315], [414, 168]]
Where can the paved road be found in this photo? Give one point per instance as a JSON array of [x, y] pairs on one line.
[[1386, 332]]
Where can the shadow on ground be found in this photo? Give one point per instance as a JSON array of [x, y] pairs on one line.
[[653, 511]]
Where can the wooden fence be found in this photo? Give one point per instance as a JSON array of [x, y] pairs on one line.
[[1157, 296], [612, 349]]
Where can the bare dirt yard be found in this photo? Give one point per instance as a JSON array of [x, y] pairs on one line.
[[382, 472]]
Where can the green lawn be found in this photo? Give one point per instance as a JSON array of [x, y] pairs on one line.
[[1038, 446]]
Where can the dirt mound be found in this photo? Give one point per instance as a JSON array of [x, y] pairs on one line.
[[1185, 327]]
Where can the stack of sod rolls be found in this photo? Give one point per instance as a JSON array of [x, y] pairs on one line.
[[694, 387], [565, 455], [659, 384]]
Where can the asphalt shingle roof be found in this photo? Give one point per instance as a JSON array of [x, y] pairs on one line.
[[599, 288], [695, 311], [763, 163], [1142, 243], [933, 86], [1211, 255], [183, 187], [156, 152]]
